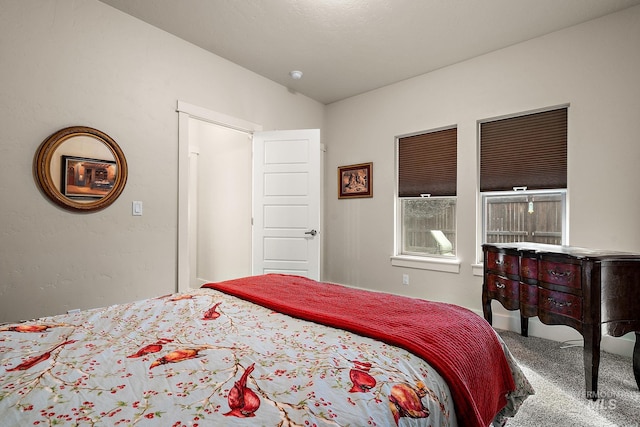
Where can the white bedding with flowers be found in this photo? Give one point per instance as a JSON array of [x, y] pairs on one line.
[[203, 358]]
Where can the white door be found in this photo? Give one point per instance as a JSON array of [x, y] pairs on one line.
[[286, 202]]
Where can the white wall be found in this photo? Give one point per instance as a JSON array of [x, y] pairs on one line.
[[81, 62], [594, 67]]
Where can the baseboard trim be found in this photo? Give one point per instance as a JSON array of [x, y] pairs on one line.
[[511, 322]]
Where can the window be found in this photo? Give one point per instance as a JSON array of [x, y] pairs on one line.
[[532, 216], [523, 178], [427, 172]]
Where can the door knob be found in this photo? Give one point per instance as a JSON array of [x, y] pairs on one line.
[[312, 232]]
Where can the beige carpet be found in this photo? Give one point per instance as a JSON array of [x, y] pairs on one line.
[[557, 374]]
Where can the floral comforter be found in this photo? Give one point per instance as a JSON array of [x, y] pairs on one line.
[[203, 358]]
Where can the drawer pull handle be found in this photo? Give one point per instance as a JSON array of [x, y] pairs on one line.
[[499, 262], [560, 274], [558, 303], [500, 285]]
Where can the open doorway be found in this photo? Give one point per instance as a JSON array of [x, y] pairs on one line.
[[215, 137], [220, 174], [217, 203]]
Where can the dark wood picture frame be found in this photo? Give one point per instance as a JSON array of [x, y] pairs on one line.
[[355, 181]]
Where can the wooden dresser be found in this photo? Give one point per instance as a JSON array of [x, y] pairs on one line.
[[565, 285]]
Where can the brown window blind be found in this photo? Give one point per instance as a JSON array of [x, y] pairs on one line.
[[526, 151], [427, 164]]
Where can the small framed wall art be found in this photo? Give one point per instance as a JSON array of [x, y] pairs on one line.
[[355, 181]]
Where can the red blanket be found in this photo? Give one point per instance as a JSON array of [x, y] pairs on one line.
[[459, 344]]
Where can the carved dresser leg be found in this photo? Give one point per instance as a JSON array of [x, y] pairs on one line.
[[524, 326], [486, 306], [636, 359]]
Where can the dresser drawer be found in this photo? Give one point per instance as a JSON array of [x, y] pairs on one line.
[[529, 269], [504, 290], [502, 263], [560, 303], [560, 274]]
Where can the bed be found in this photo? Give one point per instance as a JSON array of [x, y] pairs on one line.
[[271, 350]]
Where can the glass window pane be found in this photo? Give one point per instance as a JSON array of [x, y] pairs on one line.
[[536, 217], [428, 226]]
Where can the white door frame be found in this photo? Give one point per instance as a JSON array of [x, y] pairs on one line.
[[188, 111]]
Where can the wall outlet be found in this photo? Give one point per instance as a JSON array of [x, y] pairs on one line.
[[405, 279]]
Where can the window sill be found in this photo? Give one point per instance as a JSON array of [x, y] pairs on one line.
[[448, 265]]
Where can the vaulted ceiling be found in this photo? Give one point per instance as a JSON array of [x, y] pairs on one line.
[[347, 47]]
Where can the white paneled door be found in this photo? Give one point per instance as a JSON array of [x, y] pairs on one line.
[[286, 202]]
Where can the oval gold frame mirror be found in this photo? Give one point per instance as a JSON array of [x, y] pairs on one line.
[[80, 169]]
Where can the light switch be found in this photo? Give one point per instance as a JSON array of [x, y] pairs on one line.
[[137, 208]]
